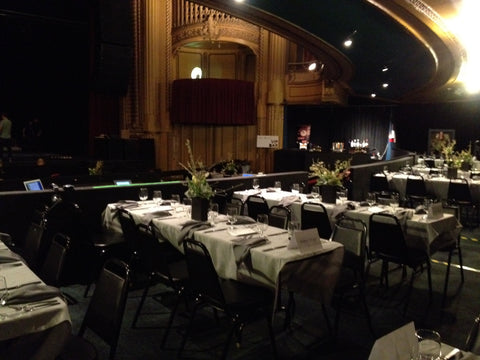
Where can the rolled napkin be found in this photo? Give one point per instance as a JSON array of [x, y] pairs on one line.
[[32, 293], [288, 200], [189, 227], [7, 256], [242, 247], [242, 220]]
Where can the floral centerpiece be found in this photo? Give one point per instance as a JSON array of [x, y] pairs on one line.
[[199, 190], [330, 179], [327, 176]]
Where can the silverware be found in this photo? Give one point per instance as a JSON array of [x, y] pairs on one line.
[[275, 248], [35, 305], [22, 285], [214, 230], [279, 233]]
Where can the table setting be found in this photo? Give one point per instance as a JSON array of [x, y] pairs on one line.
[[27, 305]]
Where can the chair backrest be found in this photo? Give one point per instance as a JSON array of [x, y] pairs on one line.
[[129, 228], [473, 339], [352, 233], [256, 205], [379, 183], [235, 203], [386, 237], [203, 277], [105, 311], [52, 267], [279, 216], [314, 215], [459, 190], [415, 186], [32, 245]]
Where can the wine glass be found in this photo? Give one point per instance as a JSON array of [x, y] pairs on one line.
[[232, 214], [342, 195], [213, 213], [256, 184], [278, 186], [175, 202], [157, 197], [3, 291], [429, 344], [187, 206], [316, 192], [395, 202], [143, 194], [262, 223], [371, 199], [296, 188]]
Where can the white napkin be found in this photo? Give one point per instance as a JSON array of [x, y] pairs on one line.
[[288, 200], [396, 345]]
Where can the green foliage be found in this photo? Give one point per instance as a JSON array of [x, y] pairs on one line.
[[197, 185], [327, 176]]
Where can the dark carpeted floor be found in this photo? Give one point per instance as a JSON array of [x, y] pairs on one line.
[[308, 337]]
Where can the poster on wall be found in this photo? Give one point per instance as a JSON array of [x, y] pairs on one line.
[[303, 136], [438, 139]]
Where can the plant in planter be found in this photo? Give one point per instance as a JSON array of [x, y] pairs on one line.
[[199, 190], [230, 168], [466, 158], [330, 179]]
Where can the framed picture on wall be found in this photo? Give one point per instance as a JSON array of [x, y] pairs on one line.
[[438, 138]]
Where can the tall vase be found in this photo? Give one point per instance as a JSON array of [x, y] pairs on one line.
[[200, 209], [329, 194]]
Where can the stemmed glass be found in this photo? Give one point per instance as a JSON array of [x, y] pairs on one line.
[[187, 205], [278, 186], [175, 202], [232, 214], [342, 195], [296, 188], [262, 223], [371, 199], [316, 192], [256, 184], [143, 194], [395, 202], [429, 345], [157, 197], [3, 291], [213, 213]]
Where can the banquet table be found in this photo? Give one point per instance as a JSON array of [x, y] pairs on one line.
[[291, 200], [45, 317], [436, 186], [421, 232], [236, 255]]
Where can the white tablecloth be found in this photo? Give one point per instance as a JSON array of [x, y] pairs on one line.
[[14, 323], [272, 268]]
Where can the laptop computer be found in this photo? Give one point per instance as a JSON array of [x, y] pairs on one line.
[[122, 182], [33, 185]]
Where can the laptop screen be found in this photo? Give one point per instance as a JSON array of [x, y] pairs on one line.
[[122, 182], [33, 185]]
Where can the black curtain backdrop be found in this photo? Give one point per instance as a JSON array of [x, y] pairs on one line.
[[411, 123], [213, 101]]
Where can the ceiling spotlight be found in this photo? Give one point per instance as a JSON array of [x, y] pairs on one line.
[[349, 40], [385, 85], [239, 1], [373, 95], [385, 68], [196, 73], [312, 66]]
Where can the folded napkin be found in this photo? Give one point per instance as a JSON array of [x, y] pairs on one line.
[[288, 200], [242, 246], [7, 256], [420, 209], [156, 215], [242, 220], [32, 293], [189, 227], [364, 203]]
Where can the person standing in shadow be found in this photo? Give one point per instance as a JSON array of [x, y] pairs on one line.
[[5, 136]]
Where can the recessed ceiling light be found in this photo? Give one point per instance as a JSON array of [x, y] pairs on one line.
[[385, 68], [347, 43], [239, 1], [385, 85], [373, 95], [312, 66]]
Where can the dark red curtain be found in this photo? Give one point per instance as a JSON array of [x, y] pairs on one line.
[[213, 101]]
